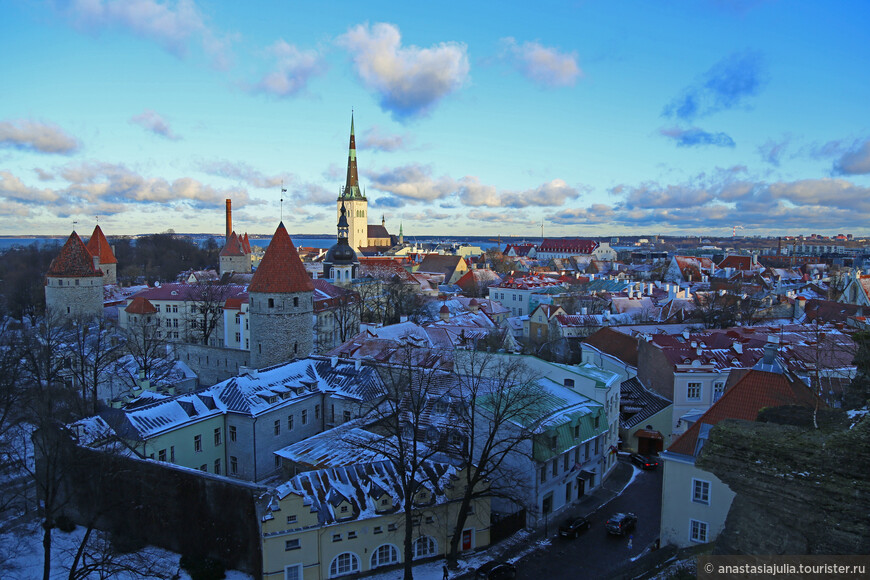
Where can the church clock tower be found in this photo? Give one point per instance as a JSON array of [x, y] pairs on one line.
[[355, 203]]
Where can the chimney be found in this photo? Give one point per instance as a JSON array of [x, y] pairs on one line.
[[800, 305], [229, 218], [686, 333]]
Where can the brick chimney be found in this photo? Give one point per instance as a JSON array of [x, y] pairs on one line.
[[229, 218]]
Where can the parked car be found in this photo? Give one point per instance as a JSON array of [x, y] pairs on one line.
[[644, 461], [620, 524], [493, 570], [573, 527]]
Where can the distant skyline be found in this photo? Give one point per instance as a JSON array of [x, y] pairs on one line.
[[591, 118]]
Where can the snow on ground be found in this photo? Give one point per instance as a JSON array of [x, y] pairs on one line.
[[21, 555]]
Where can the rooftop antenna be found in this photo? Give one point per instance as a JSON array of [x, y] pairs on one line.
[[74, 225], [283, 191]]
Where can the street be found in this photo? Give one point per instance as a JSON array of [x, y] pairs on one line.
[[597, 554]]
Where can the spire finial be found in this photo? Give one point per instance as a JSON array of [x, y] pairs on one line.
[[283, 191]]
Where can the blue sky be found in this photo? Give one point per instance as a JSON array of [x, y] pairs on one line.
[[593, 118]]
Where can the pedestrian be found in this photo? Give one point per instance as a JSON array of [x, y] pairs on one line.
[[630, 540], [446, 575]]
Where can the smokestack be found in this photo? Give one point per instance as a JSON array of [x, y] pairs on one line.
[[229, 218]]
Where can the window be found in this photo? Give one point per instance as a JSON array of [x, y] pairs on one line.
[[172, 453], [233, 433], [217, 466], [577, 431], [385, 501], [718, 391], [277, 427], [291, 519], [543, 474], [565, 461], [423, 547], [175, 307], [569, 383], [277, 461], [586, 451], [317, 411], [291, 545], [391, 527], [597, 422], [346, 563], [234, 465], [346, 416], [217, 436], [555, 467], [289, 422], [161, 455], [203, 467], [385, 555], [431, 520], [693, 391], [698, 531], [304, 416], [238, 337], [295, 301], [701, 491], [351, 535], [293, 572], [343, 509], [197, 443], [271, 303], [378, 530], [336, 537]]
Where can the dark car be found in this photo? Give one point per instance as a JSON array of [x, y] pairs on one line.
[[573, 527], [620, 524], [644, 461], [497, 571]]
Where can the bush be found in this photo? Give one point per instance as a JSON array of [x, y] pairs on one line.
[[203, 568]]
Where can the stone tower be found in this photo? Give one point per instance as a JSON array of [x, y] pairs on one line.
[[355, 203], [234, 256], [73, 283], [281, 305], [341, 264], [99, 247]]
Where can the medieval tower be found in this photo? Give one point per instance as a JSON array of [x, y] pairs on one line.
[[281, 305], [355, 203], [99, 247], [73, 283]]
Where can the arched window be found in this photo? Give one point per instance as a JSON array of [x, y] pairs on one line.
[[424, 546], [346, 563], [385, 555]]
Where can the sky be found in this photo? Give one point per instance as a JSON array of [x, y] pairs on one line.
[[584, 118]]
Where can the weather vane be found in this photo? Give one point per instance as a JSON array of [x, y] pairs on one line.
[[283, 191]]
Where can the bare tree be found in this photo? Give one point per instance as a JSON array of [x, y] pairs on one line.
[[401, 418], [91, 348], [204, 307], [337, 320], [497, 404], [152, 355]]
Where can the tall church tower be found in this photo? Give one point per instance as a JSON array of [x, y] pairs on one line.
[[281, 296], [355, 203]]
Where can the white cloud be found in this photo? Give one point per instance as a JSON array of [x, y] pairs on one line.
[[34, 136], [171, 24], [12, 188], [413, 182], [293, 69], [544, 65], [375, 140], [855, 161], [151, 121], [243, 172], [553, 193], [408, 80]]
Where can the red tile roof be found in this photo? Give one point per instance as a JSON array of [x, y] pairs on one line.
[[246, 243], [575, 245], [755, 391], [616, 344], [233, 247], [98, 245], [73, 261], [140, 305], [736, 262], [281, 271]]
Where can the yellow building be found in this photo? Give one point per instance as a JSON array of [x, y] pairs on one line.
[[347, 520]]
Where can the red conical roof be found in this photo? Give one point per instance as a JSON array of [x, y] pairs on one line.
[[73, 261], [246, 244], [233, 246], [281, 271], [99, 246]]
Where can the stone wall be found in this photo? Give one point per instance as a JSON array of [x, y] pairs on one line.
[[148, 502], [212, 364], [240, 264], [68, 299], [654, 370], [800, 490], [283, 331]]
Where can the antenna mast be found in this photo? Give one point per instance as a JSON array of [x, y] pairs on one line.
[[283, 191]]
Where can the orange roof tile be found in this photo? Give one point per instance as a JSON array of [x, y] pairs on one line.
[[73, 261], [246, 243], [755, 391], [99, 246], [233, 246], [281, 271], [140, 305]]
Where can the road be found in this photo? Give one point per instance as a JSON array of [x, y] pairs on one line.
[[597, 554]]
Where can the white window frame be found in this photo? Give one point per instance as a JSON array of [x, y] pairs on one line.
[[429, 542], [698, 486], [297, 568], [337, 569], [391, 551], [689, 387], [701, 527]]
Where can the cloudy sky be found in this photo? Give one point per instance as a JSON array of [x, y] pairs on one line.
[[488, 118]]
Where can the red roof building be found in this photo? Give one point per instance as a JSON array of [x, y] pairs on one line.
[[140, 305], [233, 247], [73, 261], [281, 271], [99, 246]]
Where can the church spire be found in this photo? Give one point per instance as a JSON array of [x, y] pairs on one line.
[[351, 187]]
